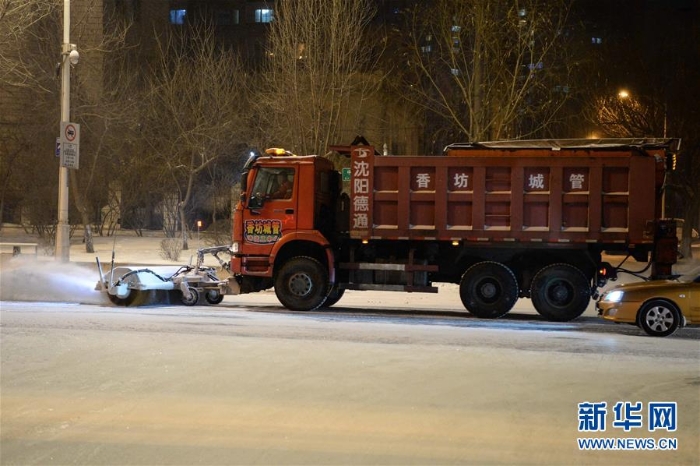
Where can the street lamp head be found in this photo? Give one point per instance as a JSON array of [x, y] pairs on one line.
[[73, 56], [623, 94]]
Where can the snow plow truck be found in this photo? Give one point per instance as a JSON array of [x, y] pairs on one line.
[[504, 220]]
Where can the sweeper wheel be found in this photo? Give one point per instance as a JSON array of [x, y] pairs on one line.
[[213, 297], [127, 301], [194, 297]]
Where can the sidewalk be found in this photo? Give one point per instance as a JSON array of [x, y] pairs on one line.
[[128, 247]]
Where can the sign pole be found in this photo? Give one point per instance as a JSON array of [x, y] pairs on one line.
[[63, 230]]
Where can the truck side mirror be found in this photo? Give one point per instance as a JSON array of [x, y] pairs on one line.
[[256, 202]]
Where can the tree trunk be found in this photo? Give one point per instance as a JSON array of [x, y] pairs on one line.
[[84, 217], [183, 225]]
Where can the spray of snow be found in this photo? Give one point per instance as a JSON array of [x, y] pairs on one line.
[[28, 279]]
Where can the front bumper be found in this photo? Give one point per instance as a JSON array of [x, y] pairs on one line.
[[618, 312]]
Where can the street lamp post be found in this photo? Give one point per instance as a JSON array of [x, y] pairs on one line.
[[63, 230]]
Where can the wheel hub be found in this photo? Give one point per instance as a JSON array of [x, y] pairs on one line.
[[300, 284], [659, 318], [488, 290], [560, 293]]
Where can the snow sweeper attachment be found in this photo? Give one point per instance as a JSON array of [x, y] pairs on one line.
[[139, 285]]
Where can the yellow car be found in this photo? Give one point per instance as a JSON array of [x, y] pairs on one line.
[[659, 307]]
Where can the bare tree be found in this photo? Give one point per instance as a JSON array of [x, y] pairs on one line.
[[30, 92], [489, 70], [18, 27], [194, 112], [315, 70], [628, 115], [632, 114], [23, 78]]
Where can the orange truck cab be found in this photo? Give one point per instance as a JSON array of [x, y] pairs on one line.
[[269, 231]]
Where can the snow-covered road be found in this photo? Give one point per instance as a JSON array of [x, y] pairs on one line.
[[247, 382]]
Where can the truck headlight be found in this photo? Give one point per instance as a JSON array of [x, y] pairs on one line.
[[614, 296], [234, 247]]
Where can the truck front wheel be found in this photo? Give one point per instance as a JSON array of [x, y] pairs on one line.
[[334, 296], [488, 290], [301, 284], [560, 292]]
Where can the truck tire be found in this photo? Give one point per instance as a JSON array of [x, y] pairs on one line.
[[334, 296], [560, 292], [488, 290], [301, 284]]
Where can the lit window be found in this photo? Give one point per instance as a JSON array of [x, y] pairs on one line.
[[596, 40], [263, 15], [177, 16], [426, 48], [456, 28], [455, 72]]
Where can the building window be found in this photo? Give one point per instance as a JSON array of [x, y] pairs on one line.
[[227, 17], [177, 16], [263, 15], [596, 40]]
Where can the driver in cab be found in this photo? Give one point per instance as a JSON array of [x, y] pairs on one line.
[[284, 188]]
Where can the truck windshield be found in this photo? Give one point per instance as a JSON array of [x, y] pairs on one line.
[[274, 183]]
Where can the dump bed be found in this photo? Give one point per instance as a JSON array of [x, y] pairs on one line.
[[522, 191]]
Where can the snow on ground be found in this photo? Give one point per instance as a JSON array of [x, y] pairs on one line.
[[42, 278]]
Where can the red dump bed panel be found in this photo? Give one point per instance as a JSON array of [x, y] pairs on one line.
[[506, 195]]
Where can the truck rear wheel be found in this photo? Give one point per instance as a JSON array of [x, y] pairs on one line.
[[560, 292], [488, 290], [301, 284]]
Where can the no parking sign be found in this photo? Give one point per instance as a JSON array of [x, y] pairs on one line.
[[70, 145]]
